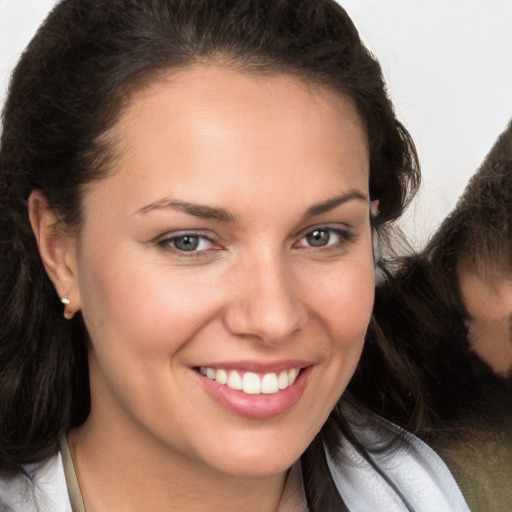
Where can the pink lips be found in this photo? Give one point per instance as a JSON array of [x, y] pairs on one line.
[[258, 406]]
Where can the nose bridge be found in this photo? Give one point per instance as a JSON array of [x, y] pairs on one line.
[[267, 306]]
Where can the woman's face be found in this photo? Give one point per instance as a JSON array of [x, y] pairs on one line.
[[230, 248]]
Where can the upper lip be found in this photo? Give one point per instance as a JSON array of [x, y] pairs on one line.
[[258, 366]]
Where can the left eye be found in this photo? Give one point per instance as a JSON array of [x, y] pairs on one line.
[[187, 243], [323, 237]]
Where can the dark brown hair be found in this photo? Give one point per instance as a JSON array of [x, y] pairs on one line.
[[479, 230], [69, 89]]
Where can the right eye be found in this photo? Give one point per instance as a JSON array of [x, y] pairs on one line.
[[187, 243]]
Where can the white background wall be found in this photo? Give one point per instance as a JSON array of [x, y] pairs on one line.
[[448, 64]]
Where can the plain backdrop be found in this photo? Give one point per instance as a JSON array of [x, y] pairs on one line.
[[448, 65]]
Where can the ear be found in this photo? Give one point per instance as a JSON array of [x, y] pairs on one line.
[[57, 248]]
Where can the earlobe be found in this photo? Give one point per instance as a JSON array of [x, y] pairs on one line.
[[57, 249]]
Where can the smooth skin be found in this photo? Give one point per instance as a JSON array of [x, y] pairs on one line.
[[265, 179]]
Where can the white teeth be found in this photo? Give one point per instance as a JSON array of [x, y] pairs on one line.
[[269, 384], [252, 383], [221, 376], [292, 375], [235, 381], [282, 381]]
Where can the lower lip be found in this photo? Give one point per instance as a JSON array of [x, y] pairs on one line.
[[259, 406]]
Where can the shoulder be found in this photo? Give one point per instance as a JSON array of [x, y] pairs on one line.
[[481, 462], [414, 468], [43, 489]]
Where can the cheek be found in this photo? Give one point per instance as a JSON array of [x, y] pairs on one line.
[[346, 309], [147, 309], [342, 304], [345, 302]]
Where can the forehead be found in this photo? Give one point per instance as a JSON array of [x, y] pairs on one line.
[[194, 129], [211, 97]]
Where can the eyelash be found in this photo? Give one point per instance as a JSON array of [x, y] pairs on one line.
[[167, 243], [345, 238]]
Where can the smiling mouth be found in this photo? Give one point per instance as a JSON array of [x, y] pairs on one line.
[[252, 383]]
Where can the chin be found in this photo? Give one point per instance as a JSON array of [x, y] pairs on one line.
[[255, 462]]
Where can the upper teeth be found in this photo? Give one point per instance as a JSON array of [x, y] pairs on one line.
[[252, 383]]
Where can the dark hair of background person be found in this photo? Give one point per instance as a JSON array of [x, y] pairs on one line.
[[419, 307], [68, 90], [479, 230]]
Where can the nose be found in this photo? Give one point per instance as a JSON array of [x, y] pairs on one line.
[[265, 303]]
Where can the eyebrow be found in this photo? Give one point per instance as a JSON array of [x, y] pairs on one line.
[[330, 204], [222, 215], [197, 210]]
